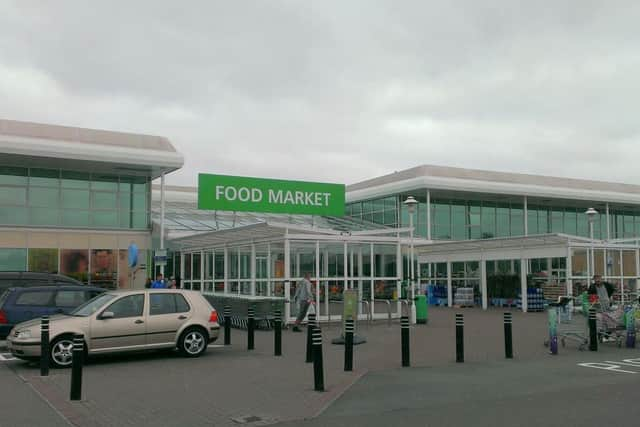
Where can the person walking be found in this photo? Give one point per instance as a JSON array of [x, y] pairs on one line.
[[304, 298]]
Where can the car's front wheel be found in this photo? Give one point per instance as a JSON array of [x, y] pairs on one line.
[[193, 342], [61, 351]]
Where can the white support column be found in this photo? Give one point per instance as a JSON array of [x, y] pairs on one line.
[[372, 281], [226, 270], [298, 265], [428, 214], [621, 262], [317, 311], [483, 284], [608, 222], [287, 280], [162, 219], [253, 269], [351, 269], [526, 216], [512, 269], [569, 273], [325, 273], [523, 284], [346, 265], [637, 251], [239, 271], [449, 285], [202, 262], [549, 269], [269, 282], [360, 290], [213, 271], [398, 282], [181, 268]]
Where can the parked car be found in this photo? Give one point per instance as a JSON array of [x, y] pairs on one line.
[[22, 279], [21, 304], [122, 321]]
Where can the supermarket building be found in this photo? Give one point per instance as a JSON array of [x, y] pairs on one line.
[[72, 200]]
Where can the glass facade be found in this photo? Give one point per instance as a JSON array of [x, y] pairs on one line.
[[60, 198], [462, 217]]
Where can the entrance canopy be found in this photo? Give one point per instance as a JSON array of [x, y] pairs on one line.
[[548, 265], [268, 255]]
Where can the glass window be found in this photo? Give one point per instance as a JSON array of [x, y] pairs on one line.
[[390, 203], [140, 202], [129, 306], [13, 259], [182, 306], [104, 182], [140, 220], [44, 177], [13, 176], [76, 199], [517, 221], [390, 217], [13, 215], [532, 221], [70, 298], [75, 218], [125, 201], [75, 180], [571, 222], [36, 298], [13, 196], [91, 306], [356, 209], [44, 216], [162, 304], [167, 304], [104, 218], [44, 260], [44, 197], [103, 200], [140, 188]]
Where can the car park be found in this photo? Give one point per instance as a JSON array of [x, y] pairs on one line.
[[124, 321], [21, 304]]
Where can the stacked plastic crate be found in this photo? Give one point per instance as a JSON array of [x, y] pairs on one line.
[[535, 300], [464, 297]]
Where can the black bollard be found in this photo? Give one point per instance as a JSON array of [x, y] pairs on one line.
[[251, 329], [310, 326], [76, 367], [593, 330], [406, 352], [459, 338], [227, 325], [44, 346], [318, 369], [508, 336], [277, 335], [349, 329]]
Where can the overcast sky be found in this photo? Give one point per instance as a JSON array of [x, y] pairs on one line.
[[339, 91]]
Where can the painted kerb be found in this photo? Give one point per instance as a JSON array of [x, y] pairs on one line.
[[236, 193]]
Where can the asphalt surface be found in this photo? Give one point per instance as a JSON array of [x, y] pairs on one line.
[[555, 391], [229, 385]]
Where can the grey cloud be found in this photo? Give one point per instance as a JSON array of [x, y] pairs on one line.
[[339, 91]]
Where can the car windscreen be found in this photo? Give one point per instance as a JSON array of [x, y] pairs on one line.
[[93, 305]]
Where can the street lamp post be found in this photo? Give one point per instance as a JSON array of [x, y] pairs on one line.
[[411, 203], [591, 217]]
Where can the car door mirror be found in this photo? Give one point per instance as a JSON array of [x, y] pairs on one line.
[[107, 315]]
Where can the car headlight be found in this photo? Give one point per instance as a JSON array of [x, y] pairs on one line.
[[22, 335]]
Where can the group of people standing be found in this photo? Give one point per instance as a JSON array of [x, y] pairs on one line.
[[161, 283]]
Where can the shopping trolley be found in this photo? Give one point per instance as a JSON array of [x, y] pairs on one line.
[[567, 324]]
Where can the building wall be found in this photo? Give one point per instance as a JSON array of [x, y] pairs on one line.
[[98, 258]]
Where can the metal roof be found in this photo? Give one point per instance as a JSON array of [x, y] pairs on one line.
[[473, 180], [51, 146]]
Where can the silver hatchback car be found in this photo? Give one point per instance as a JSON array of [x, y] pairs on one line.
[[122, 321]]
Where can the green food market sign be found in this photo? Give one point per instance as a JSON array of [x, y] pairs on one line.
[[237, 193]]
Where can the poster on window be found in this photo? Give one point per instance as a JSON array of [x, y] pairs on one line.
[[128, 277], [104, 268], [43, 260], [75, 263]]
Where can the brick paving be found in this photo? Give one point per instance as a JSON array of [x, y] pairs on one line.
[[228, 384]]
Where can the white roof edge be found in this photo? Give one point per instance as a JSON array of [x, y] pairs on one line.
[[469, 185], [41, 147]]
